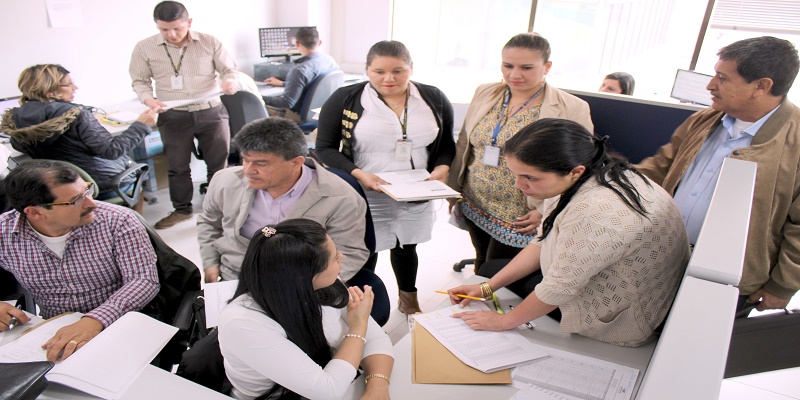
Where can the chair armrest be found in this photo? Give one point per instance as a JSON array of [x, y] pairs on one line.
[[141, 173]]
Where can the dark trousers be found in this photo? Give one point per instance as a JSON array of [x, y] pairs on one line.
[[178, 131], [405, 264], [380, 306], [522, 287], [486, 247]]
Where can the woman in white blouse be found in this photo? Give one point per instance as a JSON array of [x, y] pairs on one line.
[[292, 329], [390, 124]]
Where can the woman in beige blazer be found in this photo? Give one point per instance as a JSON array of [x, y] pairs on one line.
[[500, 220]]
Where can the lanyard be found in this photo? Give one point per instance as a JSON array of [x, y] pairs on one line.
[[180, 61], [501, 122], [404, 121]]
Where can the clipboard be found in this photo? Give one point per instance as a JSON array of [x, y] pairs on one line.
[[431, 362]]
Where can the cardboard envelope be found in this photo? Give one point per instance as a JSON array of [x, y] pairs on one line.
[[432, 363]]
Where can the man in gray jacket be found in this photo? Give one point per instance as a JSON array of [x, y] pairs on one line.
[[276, 182]]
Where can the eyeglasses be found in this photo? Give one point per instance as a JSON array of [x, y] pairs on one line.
[[78, 201]]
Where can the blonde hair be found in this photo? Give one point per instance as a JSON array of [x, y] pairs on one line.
[[40, 82]]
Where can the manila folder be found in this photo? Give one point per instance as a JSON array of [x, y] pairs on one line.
[[431, 362]]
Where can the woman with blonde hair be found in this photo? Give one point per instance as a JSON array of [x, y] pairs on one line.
[[49, 125]]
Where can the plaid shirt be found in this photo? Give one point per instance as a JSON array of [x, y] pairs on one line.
[[108, 268]]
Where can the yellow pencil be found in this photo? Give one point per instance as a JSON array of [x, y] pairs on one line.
[[463, 296]]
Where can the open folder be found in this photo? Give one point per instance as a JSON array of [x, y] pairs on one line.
[[431, 362]]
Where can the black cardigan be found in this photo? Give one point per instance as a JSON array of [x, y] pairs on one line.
[[341, 112]]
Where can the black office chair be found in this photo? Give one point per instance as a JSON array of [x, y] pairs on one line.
[[315, 95], [243, 107]]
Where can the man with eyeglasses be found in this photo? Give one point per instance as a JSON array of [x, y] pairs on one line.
[[72, 253]]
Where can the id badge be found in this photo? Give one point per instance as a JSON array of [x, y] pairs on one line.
[[177, 82], [402, 150], [491, 156]]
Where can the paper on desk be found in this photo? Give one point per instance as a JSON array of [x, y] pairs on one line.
[[569, 376], [217, 295], [177, 103], [29, 346], [108, 364], [483, 350], [123, 117]]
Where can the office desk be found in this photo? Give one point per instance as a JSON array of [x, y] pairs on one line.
[[270, 91], [546, 334], [153, 384]]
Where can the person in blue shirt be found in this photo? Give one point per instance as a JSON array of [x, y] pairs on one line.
[[309, 65]]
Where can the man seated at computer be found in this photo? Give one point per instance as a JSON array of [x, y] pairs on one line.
[[73, 254], [309, 65], [276, 182]]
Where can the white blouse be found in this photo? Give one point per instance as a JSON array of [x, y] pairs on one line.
[[377, 133], [257, 353]]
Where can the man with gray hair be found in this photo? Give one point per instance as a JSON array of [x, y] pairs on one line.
[[277, 182], [750, 119]]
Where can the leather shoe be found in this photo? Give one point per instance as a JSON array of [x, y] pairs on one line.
[[172, 219]]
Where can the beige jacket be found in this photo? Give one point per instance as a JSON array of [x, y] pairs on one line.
[[557, 104], [772, 256], [328, 200]]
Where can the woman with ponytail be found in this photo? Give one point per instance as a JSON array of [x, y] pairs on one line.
[[292, 329], [610, 252]]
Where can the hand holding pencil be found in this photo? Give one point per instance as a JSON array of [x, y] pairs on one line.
[[464, 294]]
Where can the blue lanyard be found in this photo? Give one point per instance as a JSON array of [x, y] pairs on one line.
[[501, 122]]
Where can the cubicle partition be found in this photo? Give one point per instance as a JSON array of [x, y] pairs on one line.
[[636, 127]]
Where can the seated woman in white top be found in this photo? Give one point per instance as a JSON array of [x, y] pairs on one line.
[[293, 329], [612, 248]]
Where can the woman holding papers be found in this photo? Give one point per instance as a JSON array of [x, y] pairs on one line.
[[390, 124], [49, 125], [612, 248], [292, 329], [499, 219]]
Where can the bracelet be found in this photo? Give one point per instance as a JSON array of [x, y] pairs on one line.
[[354, 335], [370, 376], [486, 290]]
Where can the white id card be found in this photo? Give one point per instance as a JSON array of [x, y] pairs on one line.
[[402, 150], [491, 156], [177, 82]]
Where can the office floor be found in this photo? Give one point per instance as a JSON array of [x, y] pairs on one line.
[[435, 272]]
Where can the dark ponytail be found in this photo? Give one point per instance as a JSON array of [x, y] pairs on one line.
[[558, 146]]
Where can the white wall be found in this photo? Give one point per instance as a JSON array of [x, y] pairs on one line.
[[98, 53], [355, 26]]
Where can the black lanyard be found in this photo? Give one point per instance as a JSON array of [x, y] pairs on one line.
[[180, 61], [404, 121]]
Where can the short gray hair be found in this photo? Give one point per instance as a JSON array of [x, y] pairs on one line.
[[272, 135]]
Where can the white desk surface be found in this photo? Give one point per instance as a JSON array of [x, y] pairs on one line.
[[153, 384], [270, 91], [546, 334]]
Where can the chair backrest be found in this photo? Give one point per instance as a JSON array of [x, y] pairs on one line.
[[318, 91], [242, 107], [369, 233]]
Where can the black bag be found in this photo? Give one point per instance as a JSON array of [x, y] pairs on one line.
[[203, 364], [764, 343], [23, 381]]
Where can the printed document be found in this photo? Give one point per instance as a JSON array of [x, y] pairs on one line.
[[569, 376], [483, 350], [412, 185]]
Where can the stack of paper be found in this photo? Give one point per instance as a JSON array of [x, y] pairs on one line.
[[105, 366], [412, 185], [483, 350]]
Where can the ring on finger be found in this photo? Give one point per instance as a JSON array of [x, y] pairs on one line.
[[73, 341]]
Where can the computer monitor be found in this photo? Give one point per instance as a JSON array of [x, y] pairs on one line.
[[8, 102], [279, 42], [690, 86]]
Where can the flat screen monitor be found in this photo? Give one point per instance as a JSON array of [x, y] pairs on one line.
[[690, 86], [279, 42], [8, 102]]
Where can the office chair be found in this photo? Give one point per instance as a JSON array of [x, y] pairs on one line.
[[243, 107], [126, 198], [315, 95]]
